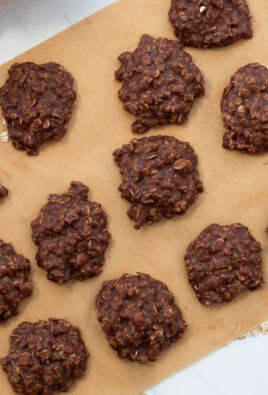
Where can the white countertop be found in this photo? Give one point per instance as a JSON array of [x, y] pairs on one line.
[[241, 367]]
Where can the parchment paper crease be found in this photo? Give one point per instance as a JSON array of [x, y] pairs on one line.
[[235, 190]]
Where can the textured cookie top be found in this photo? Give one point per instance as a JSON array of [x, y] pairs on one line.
[[160, 178], [244, 107], [45, 357], [160, 83], [210, 23], [139, 316], [15, 280], [71, 235], [222, 262], [36, 103]]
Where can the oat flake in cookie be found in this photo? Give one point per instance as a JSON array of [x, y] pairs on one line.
[[160, 178], [36, 103], [15, 280], [45, 357], [139, 316], [210, 23], [244, 107], [160, 83], [223, 262], [71, 235]]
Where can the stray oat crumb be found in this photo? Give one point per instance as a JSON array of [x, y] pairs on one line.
[[253, 333], [262, 328], [4, 137], [202, 8]]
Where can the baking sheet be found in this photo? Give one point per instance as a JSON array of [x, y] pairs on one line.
[[235, 190]]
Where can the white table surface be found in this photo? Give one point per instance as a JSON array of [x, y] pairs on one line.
[[241, 367]]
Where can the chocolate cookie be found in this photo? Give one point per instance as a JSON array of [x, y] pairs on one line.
[[139, 316], [160, 178], [3, 191], [244, 107], [37, 103], [222, 262], [160, 83], [45, 357], [210, 23], [71, 235], [15, 281]]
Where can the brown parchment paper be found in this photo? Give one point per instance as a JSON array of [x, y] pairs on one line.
[[236, 188]]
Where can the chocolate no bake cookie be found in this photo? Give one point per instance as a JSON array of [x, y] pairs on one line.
[[160, 83], [210, 23], [244, 107], [139, 316], [45, 357], [3, 191], [15, 280], [36, 102], [223, 262], [71, 235], [160, 178]]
